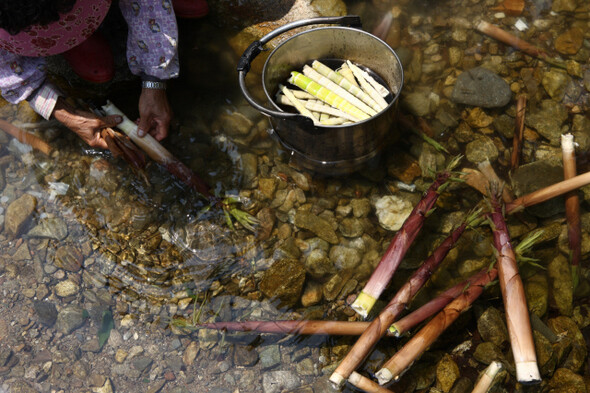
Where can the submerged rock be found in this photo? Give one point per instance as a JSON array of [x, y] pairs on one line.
[[284, 281], [562, 286], [481, 87], [392, 211], [18, 214]]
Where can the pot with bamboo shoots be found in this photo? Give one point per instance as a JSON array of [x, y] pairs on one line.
[[318, 84]]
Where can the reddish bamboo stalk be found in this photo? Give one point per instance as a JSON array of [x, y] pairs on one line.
[[305, 327], [396, 365], [397, 249], [517, 313], [432, 307], [487, 378], [572, 205], [25, 137], [366, 384], [518, 132], [379, 327], [515, 42], [548, 192]]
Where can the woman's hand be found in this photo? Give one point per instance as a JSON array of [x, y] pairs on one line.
[[85, 124], [155, 113]]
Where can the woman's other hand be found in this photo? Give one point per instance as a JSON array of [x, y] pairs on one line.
[[155, 113], [84, 123]]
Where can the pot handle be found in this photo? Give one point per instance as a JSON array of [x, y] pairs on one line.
[[256, 47]]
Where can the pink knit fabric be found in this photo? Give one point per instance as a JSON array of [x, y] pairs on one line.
[[57, 37]]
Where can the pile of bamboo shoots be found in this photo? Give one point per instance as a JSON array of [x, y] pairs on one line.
[[334, 97]]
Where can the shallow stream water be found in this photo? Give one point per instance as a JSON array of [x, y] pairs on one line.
[[104, 267]]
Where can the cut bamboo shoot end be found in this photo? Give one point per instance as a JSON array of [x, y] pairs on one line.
[[365, 384], [567, 143], [393, 331], [337, 381], [363, 304], [487, 378], [527, 373], [384, 376], [297, 103]]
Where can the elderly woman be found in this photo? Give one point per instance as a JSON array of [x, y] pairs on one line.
[[31, 30]]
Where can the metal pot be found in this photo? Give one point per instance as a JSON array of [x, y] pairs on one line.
[[326, 149]]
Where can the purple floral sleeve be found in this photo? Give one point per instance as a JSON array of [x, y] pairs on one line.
[[152, 43], [20, 75]]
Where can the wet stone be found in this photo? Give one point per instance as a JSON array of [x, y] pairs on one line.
[[392, 211], [344, 258], [481, 87], [52, 228], [317, 225], [562, 286], [447, 372], [351, 227], [245, 356], [547, 120], [555, 83], [141, 363], [18, 214], [70, 318], [565, 380], [279, 381], [570, 42], [66, 288], [318, 264], [46, 312], [270, 356], [68, 257], [284, 281], [481, 149], [564, 5], [312, 294], [544, 350], [491, 326], [537, 294], [567, 328], [463, 385], [487, 352]]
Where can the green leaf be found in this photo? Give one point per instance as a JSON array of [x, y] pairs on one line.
[[106, 326]]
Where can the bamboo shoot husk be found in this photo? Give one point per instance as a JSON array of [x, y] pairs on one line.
[[398, 364], [572, 206], [25, 137], [517, 314], [340, 80]]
